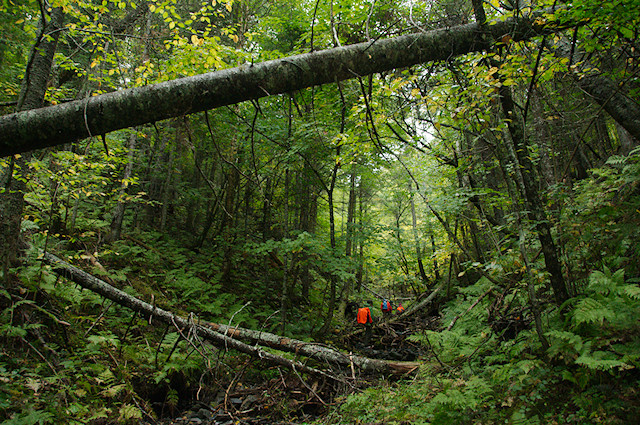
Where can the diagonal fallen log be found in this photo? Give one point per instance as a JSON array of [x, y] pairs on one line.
[[225, 336], [313, 350], [419, 306], [64, 123], [102, 288]]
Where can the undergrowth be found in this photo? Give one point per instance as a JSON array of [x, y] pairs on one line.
[[588, 374], [493, 366]]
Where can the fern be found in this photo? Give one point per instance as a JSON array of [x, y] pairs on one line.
[[565, 344], [602, 360], [129, 414], [631, 291], [590, 310], [33, 417]]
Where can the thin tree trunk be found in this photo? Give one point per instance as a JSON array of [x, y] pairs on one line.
[[347, 289], [532, 197], [118, 212], [515, 124], [332, 237], [285, 283], [167, 191], [416, 239]]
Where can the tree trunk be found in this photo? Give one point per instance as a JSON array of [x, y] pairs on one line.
[[284, 300], [532, 198], [606, 93], [416, 239], [34, 87], [76, 120], [332, 237], [347, 289], [118, 212], [167, 191]]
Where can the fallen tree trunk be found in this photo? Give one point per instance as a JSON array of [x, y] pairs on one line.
[[228, 337], [95, 115], [603, 91], [316, 351], [102, 288], [419, 306]]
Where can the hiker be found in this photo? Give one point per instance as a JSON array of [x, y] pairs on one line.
[[386, 308], [400, 309], [364, 319]]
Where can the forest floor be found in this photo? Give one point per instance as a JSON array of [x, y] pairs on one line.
[[292, 400]]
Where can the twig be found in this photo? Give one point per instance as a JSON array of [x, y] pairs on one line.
[[98, 319], [455, 319], [308, 387]]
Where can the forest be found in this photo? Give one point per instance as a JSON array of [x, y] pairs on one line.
[[200, 199]]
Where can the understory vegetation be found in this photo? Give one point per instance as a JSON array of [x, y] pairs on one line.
[[495, 195]]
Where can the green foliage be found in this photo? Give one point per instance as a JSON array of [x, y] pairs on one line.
[[474, 377], [600, 222], [216, 230], [604, 326]]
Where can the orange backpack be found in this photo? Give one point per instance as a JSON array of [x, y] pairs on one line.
[[364, 315]]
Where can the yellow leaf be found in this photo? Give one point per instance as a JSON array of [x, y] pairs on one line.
[[19, 21], [152, 8], [94, 63], [415, 92], [194, 40], [172, 25], [228, 5], [234, 37]]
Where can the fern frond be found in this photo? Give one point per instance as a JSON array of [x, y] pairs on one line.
[[589, 310], [632, 291], [602, 360]]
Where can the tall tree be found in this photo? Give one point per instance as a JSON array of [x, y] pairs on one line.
[[13, 178]]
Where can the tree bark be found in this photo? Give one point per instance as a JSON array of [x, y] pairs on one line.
[[416, 240], [94, 115], [532, 197], [605, 92]]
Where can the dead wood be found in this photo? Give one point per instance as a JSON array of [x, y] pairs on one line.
[[313, 350], [71, 121], [229, 337], [102, 288], [410, 311]]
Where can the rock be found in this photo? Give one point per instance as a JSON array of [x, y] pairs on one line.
[[204, 414]]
